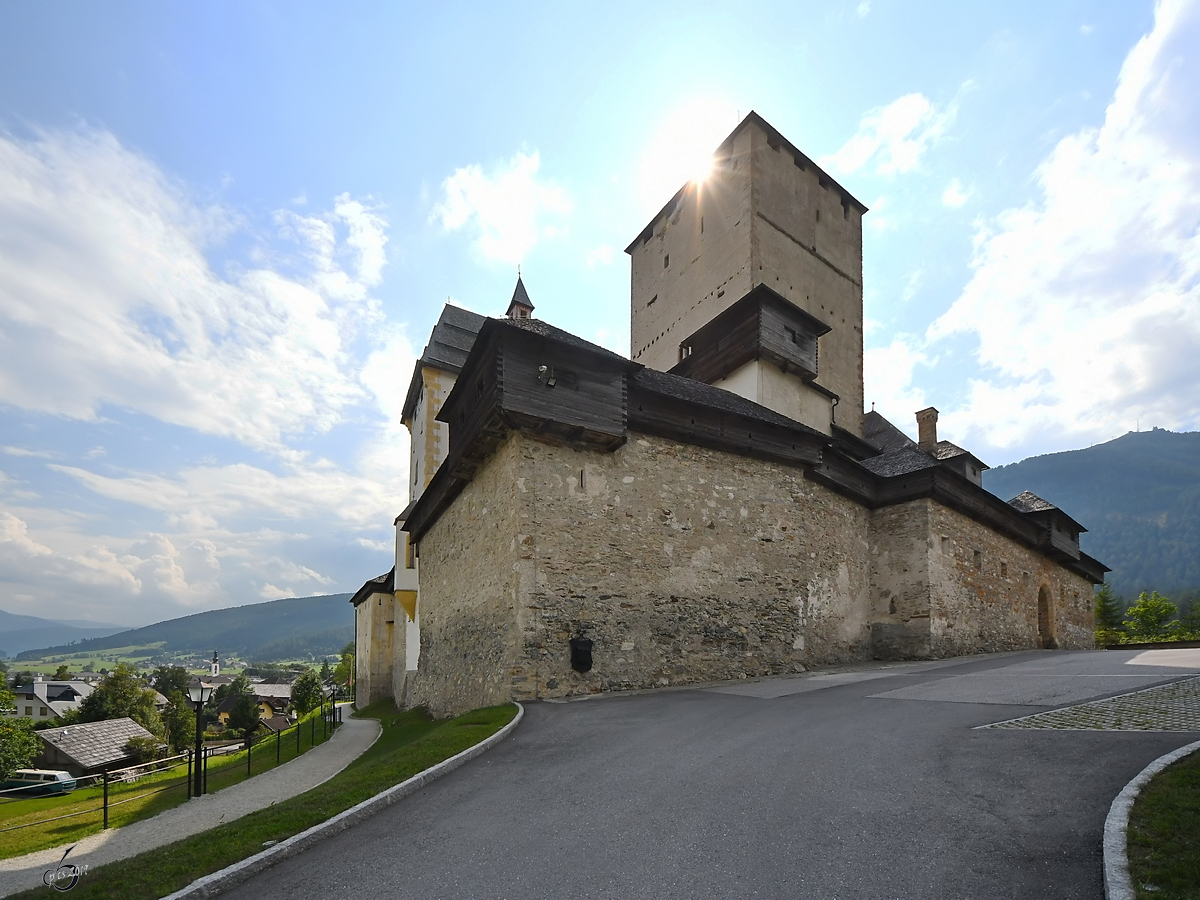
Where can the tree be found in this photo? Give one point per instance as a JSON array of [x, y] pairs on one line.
[[18, 744], [62, 673], [245, 716], [121, 693], [1151, 617], [307, 692], [326, 674], [179, 722], [343, 673], [143, 749], [1109, 609], [171, 678], [21, 678]]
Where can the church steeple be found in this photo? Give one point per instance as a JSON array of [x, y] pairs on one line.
[[520, 307]]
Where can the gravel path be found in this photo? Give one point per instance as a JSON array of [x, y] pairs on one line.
[[307, 771]]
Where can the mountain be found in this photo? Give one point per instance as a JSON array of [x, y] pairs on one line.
[[1139, 498], [19, 633], [262, 631]]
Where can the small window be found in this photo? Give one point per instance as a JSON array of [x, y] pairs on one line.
[[666, 260], [1003, 570], [979, 559], [44, 711], [702, 224], [29, 710], [945, 544], [653, 300], [818, 215]]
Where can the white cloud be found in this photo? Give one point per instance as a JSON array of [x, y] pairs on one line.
[[863, 9], [599, 256], [1086, 303], [888, 379], [107, 298], [22, 451], [508, 209], [954, 196], [894, 137]]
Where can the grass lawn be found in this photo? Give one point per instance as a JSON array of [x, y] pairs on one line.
[[137, 801], [410, 743], [1164, 834]]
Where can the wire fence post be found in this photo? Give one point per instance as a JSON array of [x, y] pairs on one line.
[[312, 732], [204, 756], [297, 737], [190, 753], [105, 799], [278, 742]]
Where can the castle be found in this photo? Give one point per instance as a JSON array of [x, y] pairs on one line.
[[716, 507]]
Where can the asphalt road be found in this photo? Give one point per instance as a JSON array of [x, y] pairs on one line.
[[863, 784]]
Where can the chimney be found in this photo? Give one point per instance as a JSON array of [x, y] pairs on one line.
[[927, 430]]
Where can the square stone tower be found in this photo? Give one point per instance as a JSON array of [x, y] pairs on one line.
[[752, 281]]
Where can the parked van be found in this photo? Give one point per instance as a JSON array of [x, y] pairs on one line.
[[31, 782]]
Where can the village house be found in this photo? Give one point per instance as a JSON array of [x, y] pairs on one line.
[[90, 747], [718, 506], [47, 701]]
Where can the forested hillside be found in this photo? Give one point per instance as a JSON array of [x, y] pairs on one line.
[[1139, 498], [19, 632], [278, 629]]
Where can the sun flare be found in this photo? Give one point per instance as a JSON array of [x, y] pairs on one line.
[[681, 150]]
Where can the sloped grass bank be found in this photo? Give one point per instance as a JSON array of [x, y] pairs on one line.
[[1164, 834], [141, 799], [410, 743]]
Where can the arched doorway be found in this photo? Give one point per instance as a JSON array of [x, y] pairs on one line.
[[1045, 621]]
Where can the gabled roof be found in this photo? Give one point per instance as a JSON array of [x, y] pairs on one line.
[[449, 344], [380, 584], [904, 461], [92, 745], [1028, 501], [947, 450]]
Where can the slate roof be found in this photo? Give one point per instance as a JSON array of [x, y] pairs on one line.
[[92, 745], [545, 329], [899, 462], [277, 723], [947, 450], [449, 344], [520, 297], [380, 584], [1027, 501], [883, 435], [263, 689], [698, 392]]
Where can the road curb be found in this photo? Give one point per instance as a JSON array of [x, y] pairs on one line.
[[1118, 885], [217, 882]]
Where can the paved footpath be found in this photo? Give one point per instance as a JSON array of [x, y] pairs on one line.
[[200, 814]]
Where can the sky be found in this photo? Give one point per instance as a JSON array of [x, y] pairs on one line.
[[227, 229]]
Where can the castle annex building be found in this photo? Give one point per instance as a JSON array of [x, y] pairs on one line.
[[716, 507]]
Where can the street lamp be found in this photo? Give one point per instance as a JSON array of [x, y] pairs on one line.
[[199, 694]]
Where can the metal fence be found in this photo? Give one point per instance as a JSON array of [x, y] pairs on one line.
[[328, 717]]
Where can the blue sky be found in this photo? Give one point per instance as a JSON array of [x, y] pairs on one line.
[[225, 232]]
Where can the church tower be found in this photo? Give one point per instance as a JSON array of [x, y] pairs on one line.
[[751, 280]]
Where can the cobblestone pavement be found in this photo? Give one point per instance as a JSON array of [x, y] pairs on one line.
[[1167, 707]]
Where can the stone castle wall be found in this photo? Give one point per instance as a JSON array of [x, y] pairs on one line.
[[984, 591], [681, 564], [945, 585]]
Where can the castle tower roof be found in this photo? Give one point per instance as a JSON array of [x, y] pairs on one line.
[[520, 307]]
